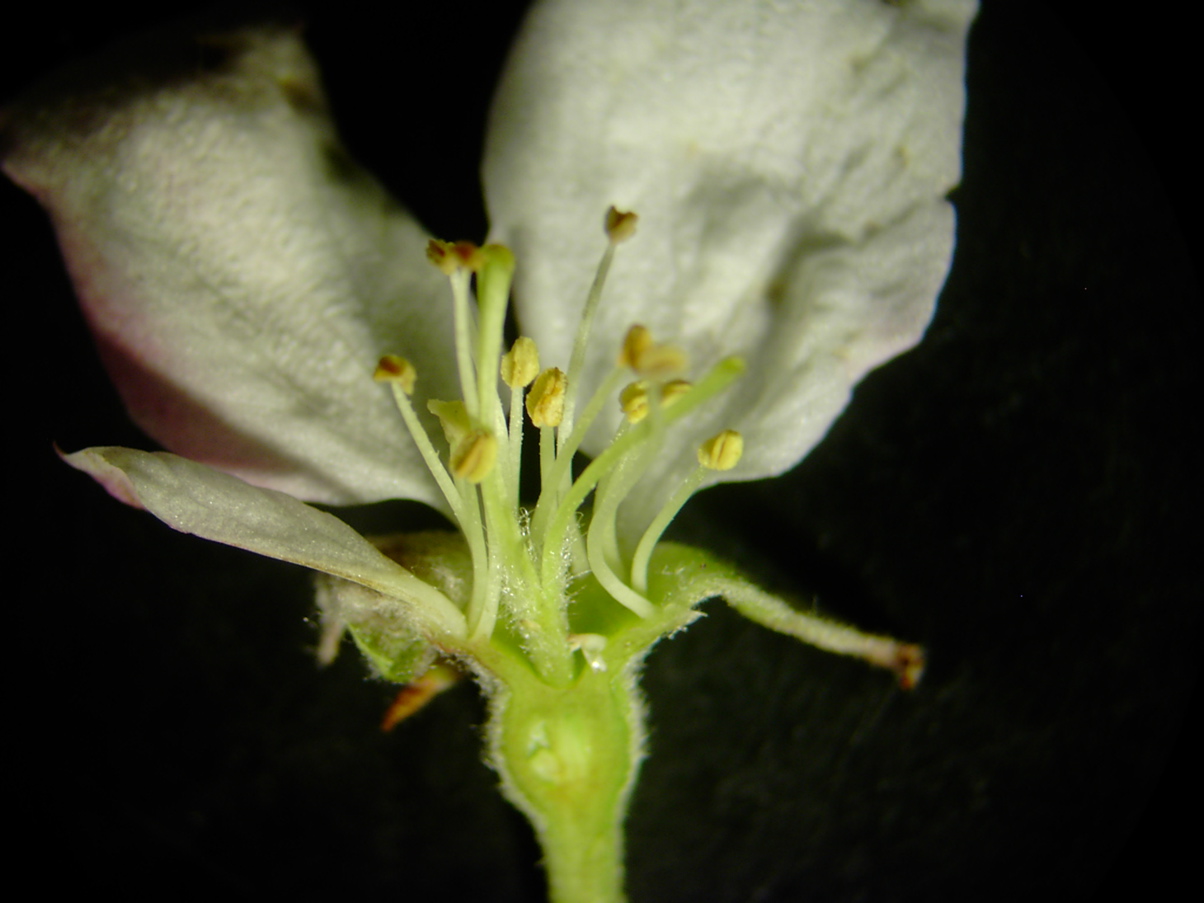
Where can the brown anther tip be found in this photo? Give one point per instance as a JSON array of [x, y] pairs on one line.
[[469, 255], [620, 226], [909, 665], [439, 253], [450, 256], [394, 369], [389, 366]]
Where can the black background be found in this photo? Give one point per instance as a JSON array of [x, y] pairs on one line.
[[1015, 493]]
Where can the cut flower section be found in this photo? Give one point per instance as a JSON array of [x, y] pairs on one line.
[[272, 316]]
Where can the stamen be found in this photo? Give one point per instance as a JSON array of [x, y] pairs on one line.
[[458, 260], [721, 452], [545, 401], [601, 545], [637, 340], [619, 483], [545, 406], [633, 400], [520, 365], [473, 457], [451, 256], [719, 378], [555, 465], [525, 566], [619, 227], [392, 368], [619, 591], [673, 390], [395, 371], [661, 361], [643, 354]]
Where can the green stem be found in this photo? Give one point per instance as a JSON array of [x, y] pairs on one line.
[[568, 759]]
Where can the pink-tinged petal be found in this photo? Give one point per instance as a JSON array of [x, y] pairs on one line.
[[241, 275], [789, 163], [193, 498]]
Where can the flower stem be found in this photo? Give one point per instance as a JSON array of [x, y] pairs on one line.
[[568, 758]]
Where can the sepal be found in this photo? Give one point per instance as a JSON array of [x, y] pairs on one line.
[[193, 498], [383, 629], [380, 627], [689, 576]]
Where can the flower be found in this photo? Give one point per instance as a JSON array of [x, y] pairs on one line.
[[789, 164]]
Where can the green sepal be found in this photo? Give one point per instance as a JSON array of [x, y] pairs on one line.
[[393, 654], [382, 627], [438, 557], [691, 576]]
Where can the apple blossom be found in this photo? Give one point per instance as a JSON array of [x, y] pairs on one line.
[[789, 165]]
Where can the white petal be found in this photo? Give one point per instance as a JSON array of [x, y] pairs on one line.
[[241, 275], [789, 162], [193, 498]]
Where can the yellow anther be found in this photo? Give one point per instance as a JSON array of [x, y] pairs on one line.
[[660, 361], [453, 417], [620, 226], [450, 256], [722, 451], [636, 342], [634, 400], [474, 455], [674, 389], [545, 401], [394, 369], [520, 364], [645, 356]]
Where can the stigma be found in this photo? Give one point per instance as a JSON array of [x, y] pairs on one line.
[[527, 554]]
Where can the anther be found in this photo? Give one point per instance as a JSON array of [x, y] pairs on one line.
[[661, 361], [474, 455], [545, 401], [394, 369], [520, 365], [722, 451], [637, 341], [643, 354], [674, 389], [620, 226], [633, 399], [450, 256]]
